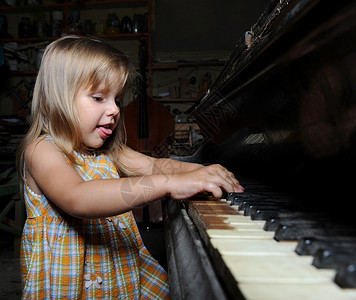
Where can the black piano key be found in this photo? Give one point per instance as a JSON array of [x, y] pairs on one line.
[[296, 217], [247, 205], [244, 203], [232, 196], [346, 276], [329, 259], [265, 214], [225, 195], [237, 198], [266, 211], [273, 223], [296, 232], [310, 246], [274, 212], [253, 208], [305, 212]]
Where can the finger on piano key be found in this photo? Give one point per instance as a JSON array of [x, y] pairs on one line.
[[213, 208]]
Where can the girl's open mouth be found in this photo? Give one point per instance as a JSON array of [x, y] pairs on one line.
[[104, 131]]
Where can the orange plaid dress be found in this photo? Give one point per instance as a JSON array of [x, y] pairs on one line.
[[67, 258]]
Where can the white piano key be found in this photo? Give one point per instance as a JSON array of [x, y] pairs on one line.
[[241, 227], [244, 226], [239, 219], [239, 234], [247, 227], [276, 269], [253, 247], [272, 291], [266, 269]]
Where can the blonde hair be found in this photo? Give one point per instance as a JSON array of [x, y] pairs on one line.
[[68, 64]]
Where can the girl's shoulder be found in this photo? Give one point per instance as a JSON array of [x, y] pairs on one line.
[[40, 149], [40, 143], [38, 154]]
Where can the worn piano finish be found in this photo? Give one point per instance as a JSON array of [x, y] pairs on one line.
[[283, 113]]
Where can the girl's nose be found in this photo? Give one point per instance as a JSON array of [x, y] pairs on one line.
[[112, 109]]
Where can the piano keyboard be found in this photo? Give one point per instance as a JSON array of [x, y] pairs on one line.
[[242, 240]]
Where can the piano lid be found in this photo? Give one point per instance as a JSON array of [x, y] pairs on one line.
[[283, 107]]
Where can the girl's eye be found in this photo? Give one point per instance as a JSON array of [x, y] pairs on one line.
[[118, 101], [98, 98]]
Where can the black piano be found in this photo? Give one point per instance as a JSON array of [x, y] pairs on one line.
[[281, 116]]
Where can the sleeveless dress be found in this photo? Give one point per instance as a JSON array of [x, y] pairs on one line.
[[63, 257]]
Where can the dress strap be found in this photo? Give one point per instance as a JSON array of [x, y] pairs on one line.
[[49, 138]]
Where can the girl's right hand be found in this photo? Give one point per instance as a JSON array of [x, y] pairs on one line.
[[213, 179]]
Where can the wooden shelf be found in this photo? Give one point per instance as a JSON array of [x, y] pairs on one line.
[[81, 4], [23, 73], [175, 100], [66, 6], [163, 67], [118, 36], [31, 40], [33, 73]]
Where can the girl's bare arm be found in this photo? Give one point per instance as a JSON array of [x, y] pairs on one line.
[[47, 172], [147, 165]]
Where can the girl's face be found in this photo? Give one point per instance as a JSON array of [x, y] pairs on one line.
[[98, 114]]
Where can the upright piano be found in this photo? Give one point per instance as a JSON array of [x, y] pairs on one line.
[[282, 116]]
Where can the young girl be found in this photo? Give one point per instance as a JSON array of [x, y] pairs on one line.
[[80, 181]]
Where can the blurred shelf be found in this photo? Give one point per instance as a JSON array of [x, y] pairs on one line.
[[66, 4], [118, 36], [175, 100]]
